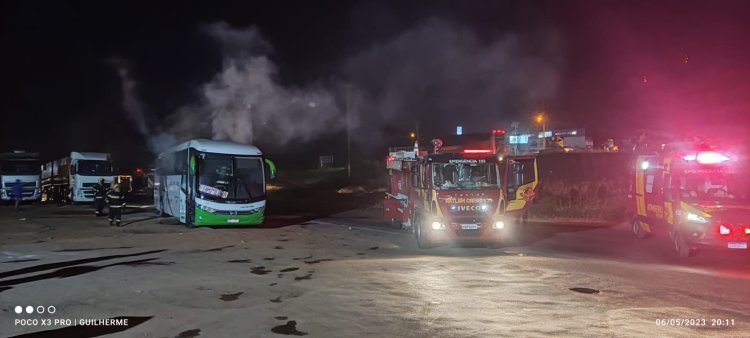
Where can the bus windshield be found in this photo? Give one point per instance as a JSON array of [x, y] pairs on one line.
[[713, 188], [20, 167], [225, 178], [94, 168], [464, 176]]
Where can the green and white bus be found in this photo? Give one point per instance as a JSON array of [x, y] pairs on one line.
[[205, 182]]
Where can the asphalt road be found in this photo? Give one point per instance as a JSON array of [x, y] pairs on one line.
[[351, 275]]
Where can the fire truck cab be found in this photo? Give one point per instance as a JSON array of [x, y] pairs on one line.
[[693, 194], [468, 196]]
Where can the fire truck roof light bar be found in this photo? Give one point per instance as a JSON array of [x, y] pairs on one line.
[[477, 151], [707, 157]]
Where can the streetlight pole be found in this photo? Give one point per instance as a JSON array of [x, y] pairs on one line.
[[542, 120]]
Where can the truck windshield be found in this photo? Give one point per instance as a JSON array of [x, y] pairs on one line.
[[464, 176], [94, 168], [716, 188], [19, 167], [228, 178]]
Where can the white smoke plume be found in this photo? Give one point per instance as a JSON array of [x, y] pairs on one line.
[[438, 72], [442, 73], [135, 109], [244, 102]]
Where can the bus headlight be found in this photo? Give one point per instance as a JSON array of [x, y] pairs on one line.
[[206, 208], [437, 225]]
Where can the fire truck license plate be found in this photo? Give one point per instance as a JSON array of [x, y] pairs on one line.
[[737, 245], [469, 226]]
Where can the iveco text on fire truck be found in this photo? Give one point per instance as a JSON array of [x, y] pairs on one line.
[[696, 195], [71, 179], [457, 197], [23, 166]]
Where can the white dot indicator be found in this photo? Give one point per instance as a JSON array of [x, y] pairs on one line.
[[51, 309], [19, 309], [29, 309]]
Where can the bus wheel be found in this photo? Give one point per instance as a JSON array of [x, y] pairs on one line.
[[680, 245], [638, 229], [422, 241]]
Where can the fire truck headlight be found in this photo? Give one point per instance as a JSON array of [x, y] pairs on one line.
[[691, 217], [437, 226], [498, 225]]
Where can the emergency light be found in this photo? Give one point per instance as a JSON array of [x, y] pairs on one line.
[[707, 157], [477, 151]]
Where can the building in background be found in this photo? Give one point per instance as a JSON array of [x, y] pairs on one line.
[[529, 143]]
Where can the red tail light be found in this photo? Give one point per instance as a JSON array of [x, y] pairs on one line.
[[725, 231]]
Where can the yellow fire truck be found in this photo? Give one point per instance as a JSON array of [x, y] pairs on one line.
[[695, 195]]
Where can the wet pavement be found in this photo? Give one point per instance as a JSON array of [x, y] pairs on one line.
[[351, 274]]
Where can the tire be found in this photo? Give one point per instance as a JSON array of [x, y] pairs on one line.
[[637, 229], [680, 245], [422, 242]]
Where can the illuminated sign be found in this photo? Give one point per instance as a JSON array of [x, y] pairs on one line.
[[459, 130], [468, 160]]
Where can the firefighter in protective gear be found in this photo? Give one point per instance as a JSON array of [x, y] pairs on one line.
[[116, 200], [100, 193]]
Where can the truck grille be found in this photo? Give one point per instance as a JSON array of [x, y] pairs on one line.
[[28, 188], [25, 185]]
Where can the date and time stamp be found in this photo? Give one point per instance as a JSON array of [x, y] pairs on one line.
[[697, 322]]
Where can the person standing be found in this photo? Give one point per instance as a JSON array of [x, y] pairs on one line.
[[116, 200], [100, 193], [17, 192]]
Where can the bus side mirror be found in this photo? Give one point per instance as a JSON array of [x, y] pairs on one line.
[[271, 169]]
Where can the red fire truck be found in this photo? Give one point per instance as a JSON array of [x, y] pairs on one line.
[[466, 196], [695, 195]]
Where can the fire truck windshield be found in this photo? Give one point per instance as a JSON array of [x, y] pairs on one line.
[[716, 188], [447, 176]]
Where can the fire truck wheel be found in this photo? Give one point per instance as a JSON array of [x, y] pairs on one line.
[[638, 229], [680, 245], [422, 241]]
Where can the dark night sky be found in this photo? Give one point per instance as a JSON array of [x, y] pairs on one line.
[[59, 94]]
